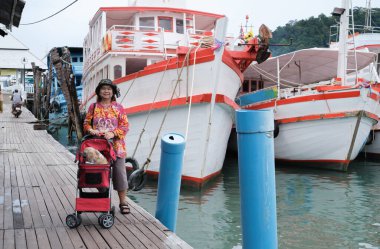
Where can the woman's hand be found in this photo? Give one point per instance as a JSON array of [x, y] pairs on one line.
[[94, 132], [109, 135]]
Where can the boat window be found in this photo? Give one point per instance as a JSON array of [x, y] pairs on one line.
[[134, 65], [179, 26], [116, 72], [81, 59], [146, 23], [166, 23], [74, 59]]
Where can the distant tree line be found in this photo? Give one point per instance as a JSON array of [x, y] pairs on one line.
[[315, 31]]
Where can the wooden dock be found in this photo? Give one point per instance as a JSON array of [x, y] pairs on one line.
[[37, 192]]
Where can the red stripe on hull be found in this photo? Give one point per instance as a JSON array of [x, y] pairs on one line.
[[188, 181], [203, 98], [322, 96], [325, 116]]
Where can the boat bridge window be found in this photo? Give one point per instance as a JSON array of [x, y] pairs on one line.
[[146, 23], [81, 59], [166, 23], [179, 26], [134, 65], [74, 59], [116, 72]]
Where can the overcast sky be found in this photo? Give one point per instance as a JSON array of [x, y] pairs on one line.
[[69, 27]]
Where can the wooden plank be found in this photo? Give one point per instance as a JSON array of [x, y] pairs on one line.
[[18, 221], [42, 207], [42, 238], [114, 238], [75, 238], [8, 213], [53, 239], [26, 213], [87, 238], [37, 219], [52, 210], [12, 166], [9, 239], [20, 239], [2, 200], [31, 239], [1, 239], [98, 238], [64, 238]]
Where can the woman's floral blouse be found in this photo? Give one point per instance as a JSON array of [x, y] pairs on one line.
[[106, 119]]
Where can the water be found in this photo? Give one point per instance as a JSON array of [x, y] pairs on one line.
[[315, 209]]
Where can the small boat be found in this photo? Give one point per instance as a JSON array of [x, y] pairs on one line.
[[323, 110], [177, 72]]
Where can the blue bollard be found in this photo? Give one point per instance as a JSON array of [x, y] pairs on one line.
[[169, 179], [257, 178]]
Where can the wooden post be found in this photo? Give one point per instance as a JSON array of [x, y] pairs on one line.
[[37, 90], [65, 76]]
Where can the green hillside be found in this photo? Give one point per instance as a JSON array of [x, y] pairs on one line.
[[314, 32]]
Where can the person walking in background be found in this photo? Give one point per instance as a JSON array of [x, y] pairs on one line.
[[1, 101], [107, 118], [16, 99]]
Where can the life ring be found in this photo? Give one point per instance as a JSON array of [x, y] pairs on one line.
[[276, 130]]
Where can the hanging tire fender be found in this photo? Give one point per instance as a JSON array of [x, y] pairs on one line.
[[276, 130], [133, 162]]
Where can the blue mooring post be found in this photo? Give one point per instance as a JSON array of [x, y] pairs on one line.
[[257, 178], [169, 179]]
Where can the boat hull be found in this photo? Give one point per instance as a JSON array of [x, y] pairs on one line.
[[328, 144], [325, 130], [146, 96]]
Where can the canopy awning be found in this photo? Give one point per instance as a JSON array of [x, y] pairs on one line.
[[306, 66]]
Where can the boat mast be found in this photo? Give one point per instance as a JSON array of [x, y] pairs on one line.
[[343, 35]]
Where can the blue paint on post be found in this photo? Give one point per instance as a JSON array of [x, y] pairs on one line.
[[169, 179], [257, 178]]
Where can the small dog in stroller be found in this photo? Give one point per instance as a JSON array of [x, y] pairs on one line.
[[94, 186], [94, 156]]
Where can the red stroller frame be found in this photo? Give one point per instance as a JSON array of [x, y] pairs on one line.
[[94, 176]]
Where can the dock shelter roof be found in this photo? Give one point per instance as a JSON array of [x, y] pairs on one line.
[[307, 65], [13, 53]]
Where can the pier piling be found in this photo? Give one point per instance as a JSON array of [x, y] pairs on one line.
[[257, 178], [169, 180]]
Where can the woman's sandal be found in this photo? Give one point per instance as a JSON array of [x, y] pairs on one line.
[[124, 208]]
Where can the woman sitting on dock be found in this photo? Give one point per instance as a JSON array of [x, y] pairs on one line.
[[106, 118]]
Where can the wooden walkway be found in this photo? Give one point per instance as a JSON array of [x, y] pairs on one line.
[[37, 192]]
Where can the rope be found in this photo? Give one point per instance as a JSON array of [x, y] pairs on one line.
[[150, 110], [146, 164], [191, 93], [129, 88]]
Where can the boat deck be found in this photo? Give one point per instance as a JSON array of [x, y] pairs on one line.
[[37, 192]]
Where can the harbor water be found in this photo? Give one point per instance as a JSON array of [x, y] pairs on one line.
[[315, 208]]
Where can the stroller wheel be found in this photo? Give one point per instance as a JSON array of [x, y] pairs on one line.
[[106, 220], [73, 220]]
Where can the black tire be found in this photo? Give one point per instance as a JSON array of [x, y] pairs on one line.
[[135, 165], [73, 221], [106, 220], [137, 180]]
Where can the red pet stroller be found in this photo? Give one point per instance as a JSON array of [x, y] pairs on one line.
[[94, 185]]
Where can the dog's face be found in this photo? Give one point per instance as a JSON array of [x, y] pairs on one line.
[[92, 155]]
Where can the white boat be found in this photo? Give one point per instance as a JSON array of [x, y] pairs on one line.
[[169, 57], [369, 40], [323, 111]]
